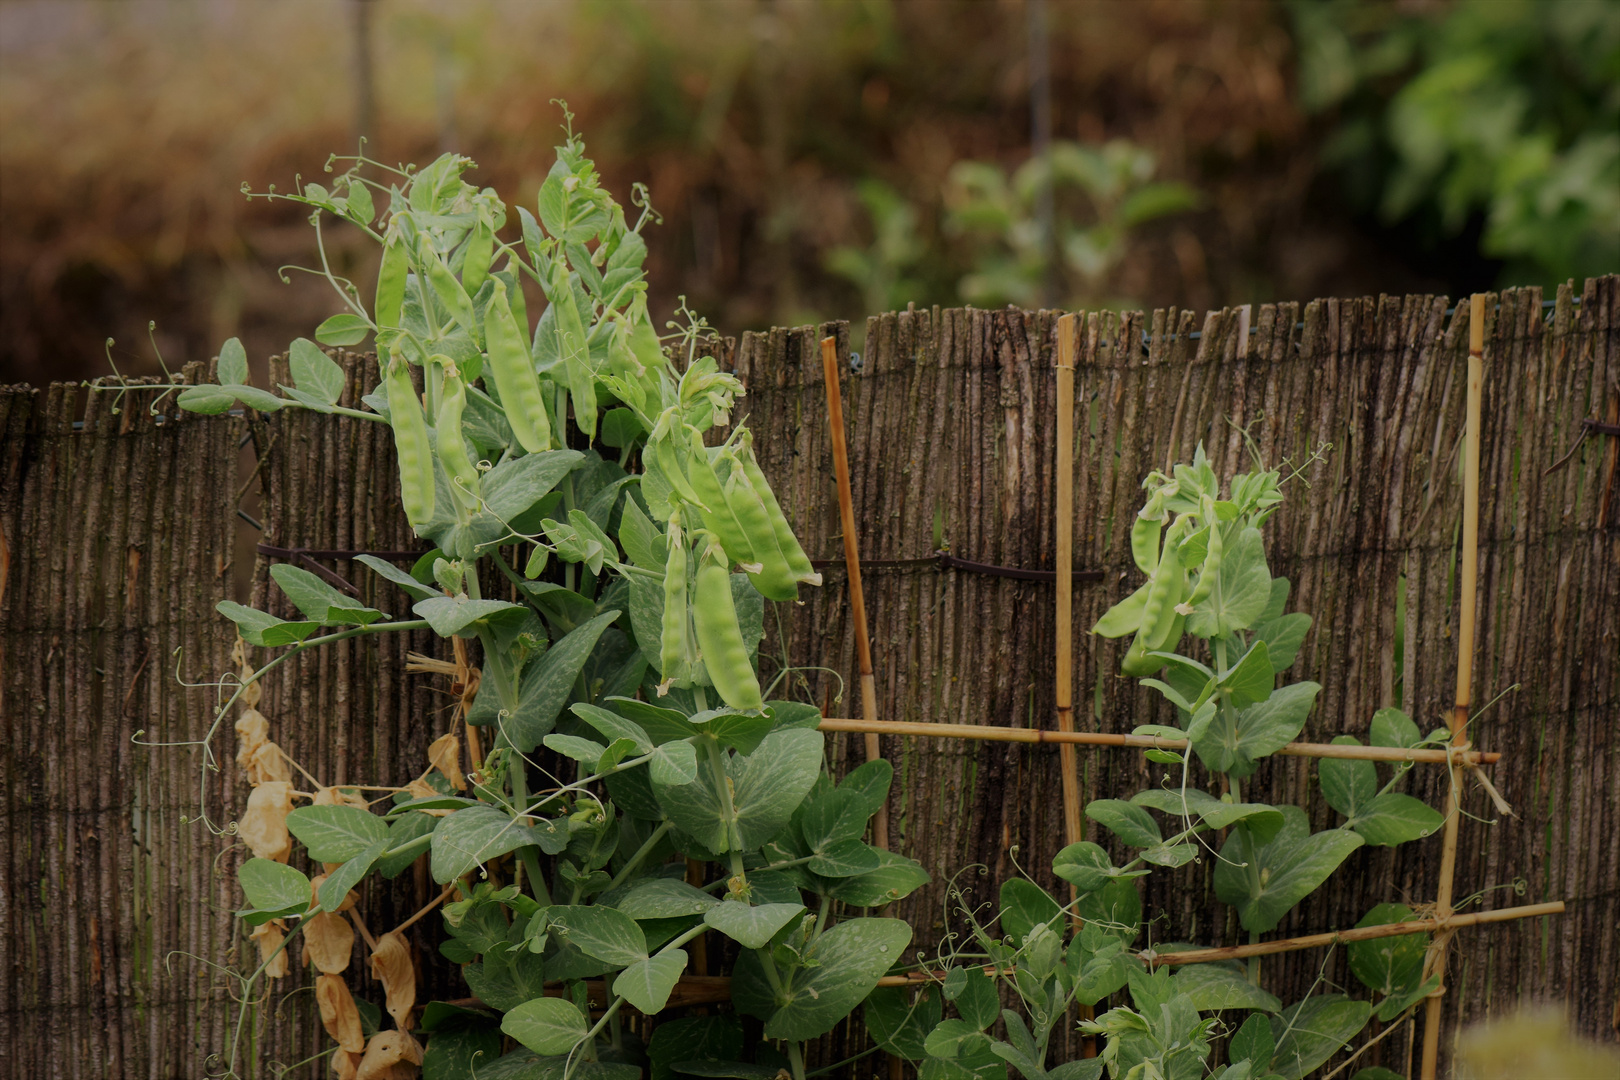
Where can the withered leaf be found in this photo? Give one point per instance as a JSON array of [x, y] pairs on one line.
[[391, 965], [264, 825], [339, 1013], [330, 940]]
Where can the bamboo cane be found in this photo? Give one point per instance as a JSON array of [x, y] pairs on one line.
[[988, 733], [1435, 962], [852, 559], [1067, 331]]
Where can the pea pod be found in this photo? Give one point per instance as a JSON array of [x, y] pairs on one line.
[[450, 293], [1158, 611], [1212, 565], [453, 454], [714, 615], [514, 374], [1145, 534], [411, 446], [712, 506], [674, 642], [475, 263], [798, 562], [774, 579], [396, 267], [574, 349]]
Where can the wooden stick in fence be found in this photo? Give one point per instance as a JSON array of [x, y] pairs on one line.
[[1435, 962], [1067, 332], [1097, 738], [852, 559], [1364, 933]]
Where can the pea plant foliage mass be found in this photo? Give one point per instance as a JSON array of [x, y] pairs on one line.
[[621, 638], [1210, 631]]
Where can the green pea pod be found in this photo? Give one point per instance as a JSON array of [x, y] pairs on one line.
[[774, 579], [475, 264], [453, 454], [1158, 611], [798, 562], [411, 445], [1145, 542], [1212, 565], [714, 615], [674, 642], [451, 294], [576, 353], [514, 374], [391, 275], [715, 511], [1124, 617]]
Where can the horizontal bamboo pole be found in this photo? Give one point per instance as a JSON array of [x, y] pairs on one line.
[[1097, 738], [1364, 933]]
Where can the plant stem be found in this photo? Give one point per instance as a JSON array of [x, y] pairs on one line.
[[796, 1060], [1254, 961], [641, 853]]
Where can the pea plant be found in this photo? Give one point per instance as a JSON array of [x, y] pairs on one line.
[[1207, 579], [639, 790]]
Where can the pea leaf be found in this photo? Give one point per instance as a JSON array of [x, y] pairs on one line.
[[665, 898], [399, 577], [273, 889], [1212, 987], [896, 878], [545, 1025], [1252, 679], [262, 628], [775, 779], [340, 881], [751, 927], [479, 833], [316, 373], [1351, 788], [1254, 1043], [1392, 727], [673, 764], [206, 398], [850, 958], [612, 725], [1314, 1030], [1234, 740], [1024, 906], [1264, 880], [605, 933], [451, 615], [1084, 864], [344, 328], [900, 1024], [320, 602], [233, 363], [1243, 589], [1128, 822], [1263, 820], [548, 683], [647, 984], [335, 833], [1283, 636]]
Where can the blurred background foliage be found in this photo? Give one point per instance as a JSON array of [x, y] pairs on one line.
[[810, 160]]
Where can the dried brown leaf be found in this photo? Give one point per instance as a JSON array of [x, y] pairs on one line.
[[336, 796], [252, 729], [391, 1055], [391, 965], [346, 1064], [268, 765], [338, 1012], [421, 789], [264, 825], [445, 754], [269, 936], [330, 939]]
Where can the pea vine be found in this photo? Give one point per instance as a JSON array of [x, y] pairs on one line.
[[675, 798]]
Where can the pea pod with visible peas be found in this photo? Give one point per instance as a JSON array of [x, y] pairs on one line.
[[674, 642], [391, 276], [774, 579], [453, 454], [717, 514], [714, 615], [416, 479], [1212, 561], [797, 561], [475, 263], [451, 294], [514, 374], [1158, 611]]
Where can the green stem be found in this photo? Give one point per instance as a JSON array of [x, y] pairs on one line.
[[1254, 961], [796, 1060], [499, 667], [641, 853], [722, 791]]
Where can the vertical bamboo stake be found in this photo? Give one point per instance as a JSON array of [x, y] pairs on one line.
[[852, 559], [1067, 331], [1465, 674]]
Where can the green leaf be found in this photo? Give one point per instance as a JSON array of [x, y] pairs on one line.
[[647, 984], [741, 732], [463, 1051], [1252, 679], [613, 725], [693, 1038], [661, 725], [1283, 637], [1233, 744], [896, 878], [1392, 727], [1078, 1069], [1385, 820], [1085, 865], [477, 834], [320, 602], [546, 1025], [261, 628], [1314, 1030], [1254, 1043], [953, 1038], [316, 373], [548, 683], [1392, 965], [451, 615], [1347, 785], [976, 999], [338, 883], [411, 831], [642, 541], [605, 933], [665, 898], [899, 1020], [515, 486], [1264, 880], [1024, 906], [1242, 591], [1212, 987], [207, 398], [335, 833], [273, 889], [673, 764], [1128, 822], [506, 980], [344, 328], [233, 363], [751, 927], [775, 779], [572, 746], [1263, 820], [399, 577], [850, 958], [844, 859], [1116, 906], [1377, 1072]]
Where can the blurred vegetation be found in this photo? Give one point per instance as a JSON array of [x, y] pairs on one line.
[[811, 160]]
